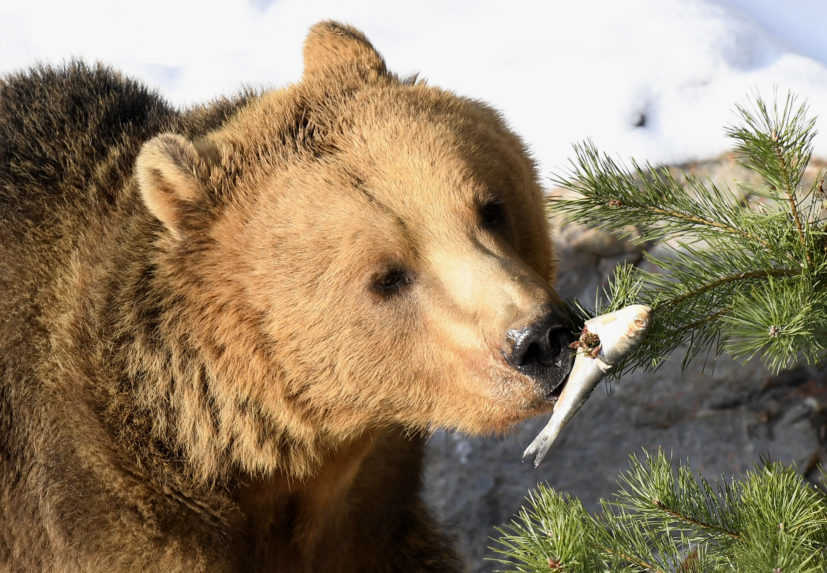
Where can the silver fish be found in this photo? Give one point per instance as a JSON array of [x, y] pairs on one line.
[[618, 332]]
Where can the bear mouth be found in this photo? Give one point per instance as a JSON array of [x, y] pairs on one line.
[[555, 380], [550, 376]]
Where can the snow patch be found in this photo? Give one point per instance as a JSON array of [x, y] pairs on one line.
[[651, 79]]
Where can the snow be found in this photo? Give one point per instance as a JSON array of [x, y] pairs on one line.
[[652, 79]]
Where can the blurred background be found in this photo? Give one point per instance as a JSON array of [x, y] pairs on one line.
[[656, 80]]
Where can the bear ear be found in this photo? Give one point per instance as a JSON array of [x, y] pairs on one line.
[[166, 174], [330, 46]]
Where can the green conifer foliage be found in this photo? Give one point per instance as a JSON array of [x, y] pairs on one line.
[[664, 519], [743, 277]]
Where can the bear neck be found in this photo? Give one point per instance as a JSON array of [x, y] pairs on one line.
[[194, 376]]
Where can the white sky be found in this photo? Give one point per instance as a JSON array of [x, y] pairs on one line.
[[559, 71]]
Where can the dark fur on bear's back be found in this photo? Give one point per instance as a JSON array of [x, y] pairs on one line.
[[50, 117], [69, 137]]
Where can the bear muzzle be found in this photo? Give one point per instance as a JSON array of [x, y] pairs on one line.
[[540, 350]]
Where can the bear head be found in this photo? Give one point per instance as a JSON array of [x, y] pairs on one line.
[[357, 251]]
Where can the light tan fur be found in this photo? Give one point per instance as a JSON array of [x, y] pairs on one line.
[[197, 370]]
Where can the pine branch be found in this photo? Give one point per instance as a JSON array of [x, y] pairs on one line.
[[705, 320], [649, 199], [709, 223], [740, 277], [670, 500], [777, 145], [728, 279], [665, 519], [725, 254], [691, 521]]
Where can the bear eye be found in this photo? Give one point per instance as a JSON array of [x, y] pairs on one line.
[[391, 282], [492, 214]]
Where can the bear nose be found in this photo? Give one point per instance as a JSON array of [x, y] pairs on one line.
[[539, 343], [541, 350]]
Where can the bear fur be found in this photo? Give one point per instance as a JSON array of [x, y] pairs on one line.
[[226, 331]]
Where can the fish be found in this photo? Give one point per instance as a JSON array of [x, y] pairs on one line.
[[604, 341]]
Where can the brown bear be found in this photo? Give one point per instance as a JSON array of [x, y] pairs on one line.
[[226, 331]]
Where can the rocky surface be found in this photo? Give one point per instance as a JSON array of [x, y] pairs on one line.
[[721, 419]]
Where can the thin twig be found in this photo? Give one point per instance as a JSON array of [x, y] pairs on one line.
[[702, 221], [729, 279], [790, 192], [681, 517], [686, 217], [695, 324]]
